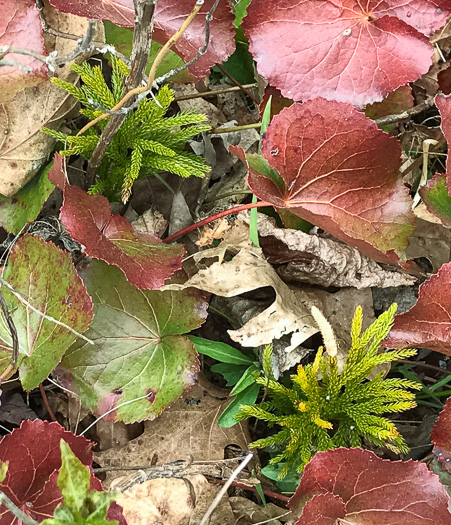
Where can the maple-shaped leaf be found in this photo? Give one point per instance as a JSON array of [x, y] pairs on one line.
[[139, 347], [428, 323], [169, 16], [444, 106], [437, 199], [145, 260], [20, 26], [338, 171], [33, 452], [45, 276], [373, 490], [343, 50], [441, 437]]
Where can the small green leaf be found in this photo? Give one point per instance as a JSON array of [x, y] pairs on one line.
[[266, 119], [246, 380], [23, 207], [231, 373], [73, 479], [61, 516], [246, 397], [260, 164], [240, 10], [100, 502], [437, 199], [220, 351]]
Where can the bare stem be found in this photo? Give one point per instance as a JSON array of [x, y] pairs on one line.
[[215, 217], [243, 89], [20, 515]]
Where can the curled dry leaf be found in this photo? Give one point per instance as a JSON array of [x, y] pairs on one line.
[[248, 271], [188, 428], [23, 147], [441, 437], [300, 257], [347, 51], [428, 323]]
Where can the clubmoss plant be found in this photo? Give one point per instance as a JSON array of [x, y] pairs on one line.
[[325, 408], [147, 143]]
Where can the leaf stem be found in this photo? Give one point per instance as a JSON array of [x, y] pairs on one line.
[[215, 217]]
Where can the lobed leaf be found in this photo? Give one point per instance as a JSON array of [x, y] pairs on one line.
[[343, 50], [139, 350]]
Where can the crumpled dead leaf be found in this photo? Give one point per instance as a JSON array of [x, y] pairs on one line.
[[189, 427], [301, 257], [248, 271], [24, 148], [173, 502]]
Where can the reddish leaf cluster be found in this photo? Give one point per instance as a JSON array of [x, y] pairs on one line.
[[358, 487]]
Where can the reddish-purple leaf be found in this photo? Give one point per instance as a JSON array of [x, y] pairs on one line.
[[343, 50], [323, 509], [33, 452], [339, 172], [374, 490], [145, 260], [441, 437], [428, 323], [444, 106], [20, 26], [169, 16]]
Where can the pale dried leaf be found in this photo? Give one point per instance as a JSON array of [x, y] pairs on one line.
[[24, 148], [187, 428], [249, 271], [300, 257]]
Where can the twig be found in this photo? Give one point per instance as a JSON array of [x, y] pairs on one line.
[[42, 314], [213, 92], [11, 326], [239, 485], [142, 39], [158, 59], [215, 217], [243, 89], [217, 131], [13, 63], [424, 365], [46, 402], [20, 515], [408, 113], [221, 493]]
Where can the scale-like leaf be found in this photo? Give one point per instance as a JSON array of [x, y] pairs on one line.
[[45, 276], [343, 50], [20, 26], [338, 171], [145, 260], [169, 16], [373, 490], [428, 323], [139, 347]]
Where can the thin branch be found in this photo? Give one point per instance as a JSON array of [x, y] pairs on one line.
[[239, 485], [20, 515], [142, 39], [46, 402], [408, 113], [217, 131], [11, 326], [243, 89], [215, 217], [158, 59], [213, 92], [42, 314]]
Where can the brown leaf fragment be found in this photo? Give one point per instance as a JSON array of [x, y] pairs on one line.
[[300, 257]]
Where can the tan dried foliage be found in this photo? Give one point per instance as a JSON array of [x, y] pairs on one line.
[[23, 148]]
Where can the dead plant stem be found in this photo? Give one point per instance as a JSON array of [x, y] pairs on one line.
[[243, 89], [46, 402], [213, 92]]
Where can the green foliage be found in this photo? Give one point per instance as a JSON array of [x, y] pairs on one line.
[[325, 409], [147, 143], [81, 507]]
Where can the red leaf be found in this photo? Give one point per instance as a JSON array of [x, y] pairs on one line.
[[375, 490], [441, 437], [444, 106], [57, 174], [33, 452], [323, 509], [169, 16], [145, 260], [341, 50], [20, 26], [428, 323], [340, 172]]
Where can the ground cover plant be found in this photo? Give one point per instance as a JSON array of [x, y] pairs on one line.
[[134, 274]]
